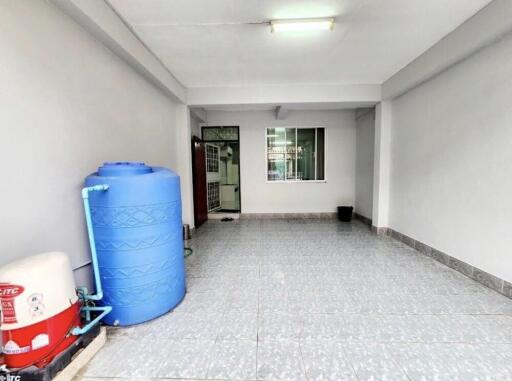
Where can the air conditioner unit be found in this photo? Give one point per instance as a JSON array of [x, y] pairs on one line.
[[226, 153]]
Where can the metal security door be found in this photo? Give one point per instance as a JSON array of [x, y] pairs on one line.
[[213, 176]]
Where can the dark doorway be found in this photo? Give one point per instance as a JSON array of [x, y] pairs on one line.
[[222, 168]]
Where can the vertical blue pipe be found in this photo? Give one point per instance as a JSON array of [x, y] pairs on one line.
[[97, 280], [92, 243]]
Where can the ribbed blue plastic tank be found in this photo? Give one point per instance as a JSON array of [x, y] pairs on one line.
[[139, 240]]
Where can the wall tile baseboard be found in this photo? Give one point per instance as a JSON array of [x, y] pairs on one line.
[[381, 231], [363, 219], [488, 280], [260, 216], [324, 215]]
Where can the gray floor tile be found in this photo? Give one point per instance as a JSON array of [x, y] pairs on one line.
[[452, 361], [233, 359], [238, 325], [86, 378], [373, 362], [283, 299], [184, 358], [186, 326], [279, 326], [280, 360], [323, 327], [114, 360], [326, 360]]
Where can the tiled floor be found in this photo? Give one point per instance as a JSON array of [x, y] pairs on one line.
[[316, 300]]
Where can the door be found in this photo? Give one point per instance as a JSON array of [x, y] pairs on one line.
[[213, 176], [199, 181], [222, 142]]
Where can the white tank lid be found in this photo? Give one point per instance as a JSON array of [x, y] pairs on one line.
[[35, 288]]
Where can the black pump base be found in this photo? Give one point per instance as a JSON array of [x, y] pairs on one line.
[[62, 360]]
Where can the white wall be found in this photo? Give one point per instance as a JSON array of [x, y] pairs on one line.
[[484, 28], [67, 104], [365, 141], [258, 196], [100, 20], [451, 178], [184, 162]]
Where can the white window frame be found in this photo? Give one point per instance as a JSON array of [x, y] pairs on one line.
[[287, 181]]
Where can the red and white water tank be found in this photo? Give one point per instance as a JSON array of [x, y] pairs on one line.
[[39, 308]]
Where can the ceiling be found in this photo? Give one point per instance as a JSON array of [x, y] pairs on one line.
[[223, 43]]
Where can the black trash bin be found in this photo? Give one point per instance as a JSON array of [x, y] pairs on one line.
[[345, 213]]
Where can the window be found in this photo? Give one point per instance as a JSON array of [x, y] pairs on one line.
[[219, 133], [295, 154]]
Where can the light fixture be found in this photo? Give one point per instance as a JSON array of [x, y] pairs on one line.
[[301, 24], [282, 143]]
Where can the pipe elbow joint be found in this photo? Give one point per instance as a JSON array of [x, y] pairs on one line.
[[85, 193], [97, 296], [86, 190]]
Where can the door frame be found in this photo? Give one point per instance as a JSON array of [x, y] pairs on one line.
[[196, 140], [239, 155]]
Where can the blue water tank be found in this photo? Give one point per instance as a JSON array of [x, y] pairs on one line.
[[139, 239]]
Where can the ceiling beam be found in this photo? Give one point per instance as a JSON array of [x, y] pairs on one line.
[[101, 21], [360, 112], [198, 113], [282, 94], [483, 29], [282, 112]]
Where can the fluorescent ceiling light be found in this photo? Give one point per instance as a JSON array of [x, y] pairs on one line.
[[281, 143], [301, 24]]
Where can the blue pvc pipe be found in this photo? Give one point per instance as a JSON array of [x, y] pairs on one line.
[[104, 310], [94, 259], [92, 243]]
